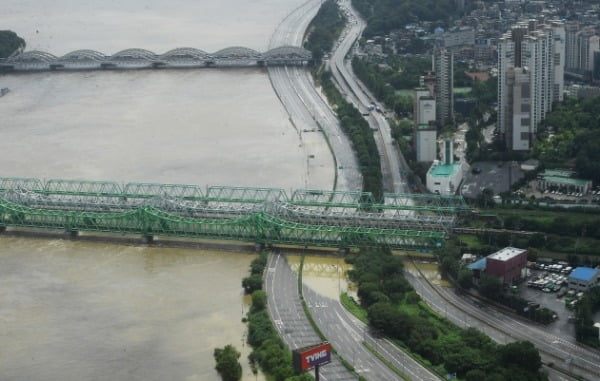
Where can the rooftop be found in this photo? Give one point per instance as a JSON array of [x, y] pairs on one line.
[[478, 265], [506, 254], [583, 273], [444, 170], [558, 172], [565, 180]]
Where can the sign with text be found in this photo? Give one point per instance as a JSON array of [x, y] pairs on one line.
[[308, 357]]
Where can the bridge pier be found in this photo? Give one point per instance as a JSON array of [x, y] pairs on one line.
[[148, 239], [2, 229], [73, 234], [342, 251], [259, 247]]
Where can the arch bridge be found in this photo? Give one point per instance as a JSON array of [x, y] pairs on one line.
[[184, 57], [260, 215]]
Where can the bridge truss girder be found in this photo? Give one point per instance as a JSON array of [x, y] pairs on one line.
[[261, 215]]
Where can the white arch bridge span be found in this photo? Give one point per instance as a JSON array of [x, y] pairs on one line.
[[144, 59]]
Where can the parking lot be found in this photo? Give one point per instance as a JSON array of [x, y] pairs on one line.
[[495, 175], [551, 298]]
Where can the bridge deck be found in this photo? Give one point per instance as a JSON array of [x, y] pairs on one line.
[[140, 58], [260, 215]]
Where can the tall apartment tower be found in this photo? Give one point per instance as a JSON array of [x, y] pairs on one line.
[[537, 50], [581, 45], [443, 66], [425, 129]]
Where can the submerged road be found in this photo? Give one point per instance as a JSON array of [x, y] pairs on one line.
[[308, 111]]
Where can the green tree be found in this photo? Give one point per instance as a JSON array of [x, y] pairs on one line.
[[490, 287], [259, 300], [252, 283], [523, 354], [9, 42], [228, 365], [465, 278]]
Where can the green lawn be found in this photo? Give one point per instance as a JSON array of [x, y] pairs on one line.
[[462, 90], [405, 92]]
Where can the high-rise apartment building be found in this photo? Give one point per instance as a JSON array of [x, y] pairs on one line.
[[581, 44], [530, 77], [425, 129], [443, 66]]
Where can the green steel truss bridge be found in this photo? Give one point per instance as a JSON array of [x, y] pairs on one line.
[[264, 216]]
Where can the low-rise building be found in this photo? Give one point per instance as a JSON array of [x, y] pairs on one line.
[[508, 264], [562, 180], [584, 278], [444, 177]]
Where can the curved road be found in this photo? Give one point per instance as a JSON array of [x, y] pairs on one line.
[[341, 68], [347, 334], [307, 109], [504, 328]]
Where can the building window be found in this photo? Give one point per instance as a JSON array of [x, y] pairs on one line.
[[525, 121], [525, 89], [525, 107], [525, 136]]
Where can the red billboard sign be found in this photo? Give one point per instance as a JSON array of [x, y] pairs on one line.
[[308, 357]]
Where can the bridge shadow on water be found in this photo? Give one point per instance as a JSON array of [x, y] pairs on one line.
[[167, 243]]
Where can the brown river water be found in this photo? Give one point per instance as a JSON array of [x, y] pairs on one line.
[[81, 310]]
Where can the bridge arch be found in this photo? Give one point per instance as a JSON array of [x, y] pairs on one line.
[[32, 56], [136, 54], [185, 53], [83, 55], [288, 52], [237, 52]]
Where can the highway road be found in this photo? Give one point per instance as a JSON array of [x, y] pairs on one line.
[[308, 110], [346, 333], [504, 328], [392, 159], [285, 309]]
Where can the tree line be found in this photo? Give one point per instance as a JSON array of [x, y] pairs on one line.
[[324, 29], [269, 352], [358, 131], [9, 43]]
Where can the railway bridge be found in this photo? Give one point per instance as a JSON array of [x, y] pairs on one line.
[[86, 59], [264, 216]]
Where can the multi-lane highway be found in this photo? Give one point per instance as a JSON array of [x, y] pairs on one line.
[[288, 315], [341, 68], [307, 109]]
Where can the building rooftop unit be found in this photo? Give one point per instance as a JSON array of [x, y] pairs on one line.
[[506, 254], [584, 274], [444, 170]]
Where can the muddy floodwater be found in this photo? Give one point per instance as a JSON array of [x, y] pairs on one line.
[[429, 270], [324, 274], [101, 311], [98, 311]]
